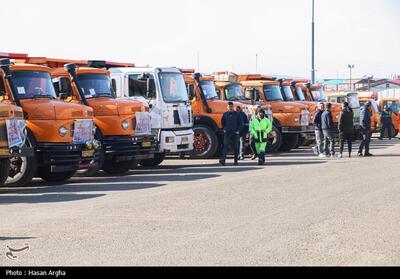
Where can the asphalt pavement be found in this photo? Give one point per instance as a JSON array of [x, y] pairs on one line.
[[295, 210]]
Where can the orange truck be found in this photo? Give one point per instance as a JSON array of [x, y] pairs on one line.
[[394, 105], [314, 93], [207, 113], [12, 134], [229, 89], [291, 119], [122, 125], [61, 134]]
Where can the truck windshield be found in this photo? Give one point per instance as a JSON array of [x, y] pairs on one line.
[[287, 93], [300, 94], [318, 95], [353, 100], [173, 87], [272, 93], [209, 89], [233, 92], [95, 85], [32, 84]]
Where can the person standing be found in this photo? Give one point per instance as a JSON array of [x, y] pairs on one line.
[[260, 127], [243, 133], [365, 126], [328, 130], [346, 128], [386, 120], [319, 135], [232, 125]]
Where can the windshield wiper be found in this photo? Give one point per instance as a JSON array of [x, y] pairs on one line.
[[43, 97]]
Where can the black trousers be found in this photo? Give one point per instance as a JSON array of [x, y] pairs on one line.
[[366, 139], [388, 127], [253, 146], [345, 137], [233, 140]]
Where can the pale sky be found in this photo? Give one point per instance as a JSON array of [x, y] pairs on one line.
[[227, 34]]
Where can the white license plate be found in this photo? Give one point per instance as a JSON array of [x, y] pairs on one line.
[[87, 153], [146, 144]]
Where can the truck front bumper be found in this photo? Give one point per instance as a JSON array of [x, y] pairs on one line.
[[6, 152], [66, 157], [298, 129], [176, 141], [126, 148]]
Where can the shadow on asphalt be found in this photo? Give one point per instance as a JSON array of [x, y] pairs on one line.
[[45, 198], [4, 238], [294, 163]]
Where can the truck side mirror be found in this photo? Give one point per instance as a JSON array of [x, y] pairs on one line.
[[64, 86], [63, 96], [114, 88]]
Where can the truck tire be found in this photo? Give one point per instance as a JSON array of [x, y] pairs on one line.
[[45, 174], [4, 170], [205, 143], [22, 169], [158, 158], [275, 140], [289, 142], [117, 168]]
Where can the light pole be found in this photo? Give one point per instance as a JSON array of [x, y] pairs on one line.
[[351, 67], [312, 46]]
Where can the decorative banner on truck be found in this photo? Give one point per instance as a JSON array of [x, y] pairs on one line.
[[16, 129], [143, 126], [82, 131]]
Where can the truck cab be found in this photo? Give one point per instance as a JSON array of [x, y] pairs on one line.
[[292, 119], [165, 92], [364, 97], [394, 105], [208, 110], [122, 126], [60, 133], [354, 104]]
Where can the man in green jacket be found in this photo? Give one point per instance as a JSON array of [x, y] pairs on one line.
[[260, 127]]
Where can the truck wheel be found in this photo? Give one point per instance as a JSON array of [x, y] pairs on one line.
[[274, 140], [22, 169], [205, 143], [4, 170], [45, 174], [117, 168], [289, 142], [158, 158]]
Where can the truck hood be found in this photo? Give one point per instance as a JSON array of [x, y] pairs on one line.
[[47, 109], [112, 107], [287, 107], [218, 106]]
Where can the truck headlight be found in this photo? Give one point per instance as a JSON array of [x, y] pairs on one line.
[[169, 139], [296, 119], [125, 125], [63, 131]]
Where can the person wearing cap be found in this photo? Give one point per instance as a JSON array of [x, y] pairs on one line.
[[232, 124], [346, 128], [260, 127], [365, 126], [243, 133]]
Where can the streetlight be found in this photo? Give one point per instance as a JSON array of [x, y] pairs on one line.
[[351, 67], [312, 46]]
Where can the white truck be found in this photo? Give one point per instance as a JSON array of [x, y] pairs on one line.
[[170, 110]]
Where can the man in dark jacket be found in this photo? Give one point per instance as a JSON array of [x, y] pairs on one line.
[[243, 133], [346, 127], [328, 129], [386, 120], [365, 126], [232, 124], [319, 135]]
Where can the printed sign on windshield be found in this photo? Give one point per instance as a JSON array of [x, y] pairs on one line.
[[15, 132], [82, 131], [143, 126]]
